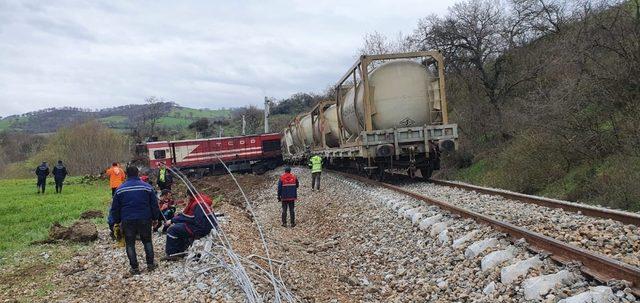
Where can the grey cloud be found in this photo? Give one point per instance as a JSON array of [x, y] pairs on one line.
[[198, 53]]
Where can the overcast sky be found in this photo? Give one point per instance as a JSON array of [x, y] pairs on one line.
[[197, 53]]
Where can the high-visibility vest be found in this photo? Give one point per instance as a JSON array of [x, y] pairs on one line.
[[116, 176], [316, 164]]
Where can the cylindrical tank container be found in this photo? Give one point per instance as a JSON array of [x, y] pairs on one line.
[[296, 136], [401, 97], [306, 128], [287, 141], [323, 125]]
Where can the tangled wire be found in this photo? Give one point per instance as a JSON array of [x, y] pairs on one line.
[[215, 251]]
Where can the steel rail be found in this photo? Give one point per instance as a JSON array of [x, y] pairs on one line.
[[587, 210], [595, 265]]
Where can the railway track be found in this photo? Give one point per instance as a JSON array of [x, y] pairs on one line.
[[587, 210], [598, 266]]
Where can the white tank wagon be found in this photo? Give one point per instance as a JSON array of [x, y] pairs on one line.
[[296, 134], [402, 94], [325, 124], [392, 116], [306, 128], [288, 148]]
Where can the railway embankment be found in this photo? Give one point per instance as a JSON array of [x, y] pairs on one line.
[[353, 242]]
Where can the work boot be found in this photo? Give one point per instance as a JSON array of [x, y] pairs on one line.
[[152, 267], [171, 258], [284, 224], [293, 225], [134, 271]]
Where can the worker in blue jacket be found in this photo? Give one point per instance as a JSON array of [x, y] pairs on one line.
[[288, 194], [42, 171], [59, 173], [135, 208]]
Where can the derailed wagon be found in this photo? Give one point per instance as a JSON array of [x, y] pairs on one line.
[[393, 116]]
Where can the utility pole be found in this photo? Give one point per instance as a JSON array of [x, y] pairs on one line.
[[266, 114], [244, 124]]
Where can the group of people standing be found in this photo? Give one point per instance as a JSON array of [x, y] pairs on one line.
[[59, 174], [136, 211]]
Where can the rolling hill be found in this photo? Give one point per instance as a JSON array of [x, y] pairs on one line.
[[173, 116]]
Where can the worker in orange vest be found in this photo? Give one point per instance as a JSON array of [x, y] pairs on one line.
[[116, 177]]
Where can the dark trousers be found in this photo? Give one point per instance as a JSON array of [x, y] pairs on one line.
[[315, 180], [164, 185], [178, 239], [167, 214], [292, 212], [133, 228], [42, 183], [59, 182]]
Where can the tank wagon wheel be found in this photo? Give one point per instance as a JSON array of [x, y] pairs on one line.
[[380, 174], [411, 173], [427, 171]]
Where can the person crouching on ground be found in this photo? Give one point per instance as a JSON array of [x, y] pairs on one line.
[[196, 221], [167, 208], [135, 207], [288, 194]]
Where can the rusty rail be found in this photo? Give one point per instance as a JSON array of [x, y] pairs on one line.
[[587, 210], [598, 266]]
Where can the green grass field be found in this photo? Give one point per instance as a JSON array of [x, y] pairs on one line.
[[194, 113], [6, 123], [26, 216]]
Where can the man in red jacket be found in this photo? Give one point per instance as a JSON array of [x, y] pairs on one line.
[[196, 221], [288, 194]]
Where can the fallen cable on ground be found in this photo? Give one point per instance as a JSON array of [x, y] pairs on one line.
[[215, 252]]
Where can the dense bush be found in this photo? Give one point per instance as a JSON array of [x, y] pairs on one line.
[[87, 148]]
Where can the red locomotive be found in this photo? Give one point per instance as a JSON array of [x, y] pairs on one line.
[[253, 153]]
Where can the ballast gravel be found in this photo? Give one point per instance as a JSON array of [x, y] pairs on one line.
[[352, 243], [611, 238]]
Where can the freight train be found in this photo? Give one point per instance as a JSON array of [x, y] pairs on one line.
[[198, 157], [389, 112]]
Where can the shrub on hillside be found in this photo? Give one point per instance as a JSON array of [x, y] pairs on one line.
[[87, 148], [616, 184], [528, 164]]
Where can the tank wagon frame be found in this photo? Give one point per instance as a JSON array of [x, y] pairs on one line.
[[371, 150]]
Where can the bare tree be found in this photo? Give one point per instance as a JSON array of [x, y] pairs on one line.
[[377, 43], [476, 38], [540, 17], [145, 125], [86, 148], [253, 117]]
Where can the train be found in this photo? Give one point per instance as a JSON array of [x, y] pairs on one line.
[[199, 157], [389, 113]]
